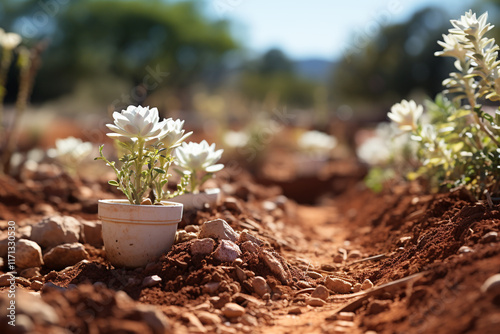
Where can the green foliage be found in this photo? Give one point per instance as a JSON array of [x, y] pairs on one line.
[[127, 40]]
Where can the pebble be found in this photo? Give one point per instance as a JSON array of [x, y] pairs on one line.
[[338, 285], [194, 321], [238, 262], [28, 254], [240, 273], [227, 251], [249, 247], [260, 286], [65, 255], [56, 230], [275, 266], [328, 267], [354, 255], [295, 310], [245, 236], [92, 233], [346, 316], [36, 285], [150, 281], [344, 324], [367, 284], [154, 317], [30, 272], [356, 287], [465, 249], [232, 204], [192, 228], [489, 237], [203, 246], [320, 292], [378, 306], [249, 320], [218, 229], [23, 281], [232, 310], [183, 236], [208, 318], [211, 287], [5, 279], [338, 258], [269, 206], [34, 307], [491, 285], [315, 302], [314, 275]]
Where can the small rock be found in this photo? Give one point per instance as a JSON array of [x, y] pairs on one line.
[[30, 272], [23, 281], [232, 310], [314, 275], [489, 237], [218, 229], [51, 286], [6, 279], [238, 262], [249, 247], [183, 236], [28, 254], [242, 276], [65, 255], [295, 310], [249, 320], [150, 281], [227, 251], [354, 255], [154, 318], [315, 302], [328, 267], [338, 258], [211, 287], [92, 233], [378, 306], [24, 232], [492, 285], [36, 285], [245, 236], [232, 204], [275, 266], [465, 249], [367, 284], [195, 322], [34, 307], [202, 246], [44, 209], [260, 286], [192, 228], [320, 292], [344, 324], [208, 318], [56, 230], [403, 241], [346, 316], [338, 285], [356, 287]]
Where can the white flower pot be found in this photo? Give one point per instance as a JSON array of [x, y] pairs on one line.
[[134, 235], [197, 201]]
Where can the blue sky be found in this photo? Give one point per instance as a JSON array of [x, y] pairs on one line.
[[316, 28]]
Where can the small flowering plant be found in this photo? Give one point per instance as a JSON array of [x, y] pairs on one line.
[[198, 163], [148, 144], [459, 140], [70, 152]]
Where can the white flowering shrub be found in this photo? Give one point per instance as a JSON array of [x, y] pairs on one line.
[[70, 153], [459, 144], [198, 162], [148, 144]]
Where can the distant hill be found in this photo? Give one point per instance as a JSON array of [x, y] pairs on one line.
[[314, 69]]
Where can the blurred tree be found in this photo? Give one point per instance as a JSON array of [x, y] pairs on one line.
[[148, 43], [398, 60], [272, 78]]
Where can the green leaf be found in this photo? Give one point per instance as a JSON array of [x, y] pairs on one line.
[[113, 183], [159, 170], [459, 114]]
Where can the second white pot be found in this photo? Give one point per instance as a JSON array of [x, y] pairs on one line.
[[197, 201], [134, 235]]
